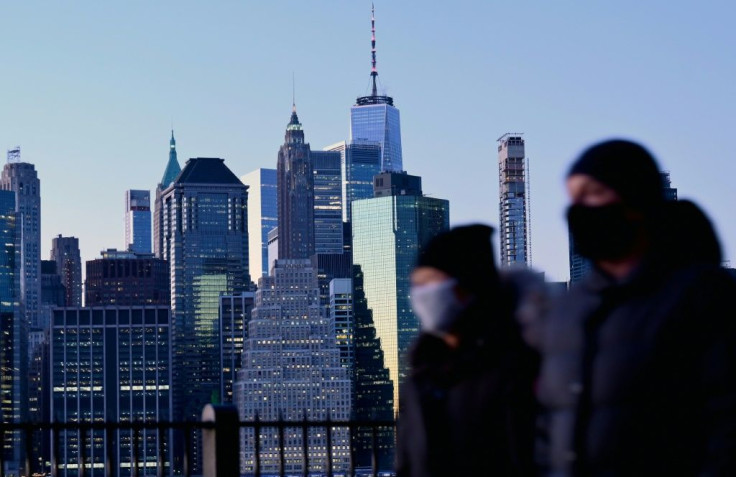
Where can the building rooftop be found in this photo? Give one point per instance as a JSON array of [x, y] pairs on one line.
[[207, 170]]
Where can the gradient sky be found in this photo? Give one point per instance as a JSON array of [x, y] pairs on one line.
[[89, 90]]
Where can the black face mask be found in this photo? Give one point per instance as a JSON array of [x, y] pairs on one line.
[[604, 232]]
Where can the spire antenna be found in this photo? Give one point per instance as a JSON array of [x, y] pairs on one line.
[[374, 71], [293, 92]]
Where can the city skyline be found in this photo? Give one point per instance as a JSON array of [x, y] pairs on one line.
[[95, 89]]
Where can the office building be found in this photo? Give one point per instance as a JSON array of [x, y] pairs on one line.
[[22, 179], [372, 391], [127, 279], [262, 218], [170, 174], [375, 118], [206, 245], [138, 221], [65, 252], [235, 310], [111, 364], [327, 201], [359, 162], [388, 233], [13, 331], [295, 182], [291, 370], [513, 201], [341, 315]]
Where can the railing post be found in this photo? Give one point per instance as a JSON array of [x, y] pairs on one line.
[[221, 444]]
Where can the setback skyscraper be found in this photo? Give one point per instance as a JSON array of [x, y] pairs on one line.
[[291, 370], [262, 217], [22, 179], [295, 181], [375, 118], [388, 233], [513, 201], [65, 252], [138, 221], [172, 171]]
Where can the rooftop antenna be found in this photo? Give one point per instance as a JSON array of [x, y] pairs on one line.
[[293, 92], [374, 71]]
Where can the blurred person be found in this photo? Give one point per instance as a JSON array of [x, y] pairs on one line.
[[639, 359], [467, 407]]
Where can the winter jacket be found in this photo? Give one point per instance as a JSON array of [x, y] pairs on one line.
[[469, 411], [639, 377]]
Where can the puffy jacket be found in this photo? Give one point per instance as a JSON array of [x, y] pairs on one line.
[[639, 377]]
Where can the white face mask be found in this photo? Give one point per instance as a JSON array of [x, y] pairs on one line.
[[436, 306]]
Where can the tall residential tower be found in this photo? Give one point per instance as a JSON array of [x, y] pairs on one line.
[[513, 189]]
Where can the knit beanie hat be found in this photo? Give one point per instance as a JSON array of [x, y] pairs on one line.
[[626, 167], [464, 253]]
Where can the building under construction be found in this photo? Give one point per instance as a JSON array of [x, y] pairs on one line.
[[513, 190]]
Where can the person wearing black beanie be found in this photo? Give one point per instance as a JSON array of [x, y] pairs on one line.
[[638, 373], [467, 406]]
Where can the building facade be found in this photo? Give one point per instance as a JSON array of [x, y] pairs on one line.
[[327, 201], [115, 365], [235, 311], [170, 174], [295, 182], [22, 179], [13, 330], [127, 279], [513, 201], [138, 221], [291, 370], [262, 217], [205, 241], [65, 252], [359, 162], [388, 233]]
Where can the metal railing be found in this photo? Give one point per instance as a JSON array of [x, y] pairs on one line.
[[220, 445]]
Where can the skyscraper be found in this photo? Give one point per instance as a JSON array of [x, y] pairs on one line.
[[295, 181], [170, 173], [13, 330], [327, 201], [513, 200], [375, 118], [65, 252], [111, 364], [262, 217], [291, 370], [127, 279], [205, 242], [359, 162], [138, 221], [388, 233], [22, 179], [235, 310]]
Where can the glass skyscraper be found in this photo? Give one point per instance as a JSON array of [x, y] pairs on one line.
[[360, 161], [375, 118], [13, 331], [513, 201], [388, 233], [262, 217], [205, 241], [138, 221], [327, 201], [111, 364]]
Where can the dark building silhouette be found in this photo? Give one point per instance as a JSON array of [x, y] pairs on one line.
[[65, 251], [53, 291], [295, 184], [387, 184], [127, 279]]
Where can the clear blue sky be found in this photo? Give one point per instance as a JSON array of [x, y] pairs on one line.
[[90, 89]]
